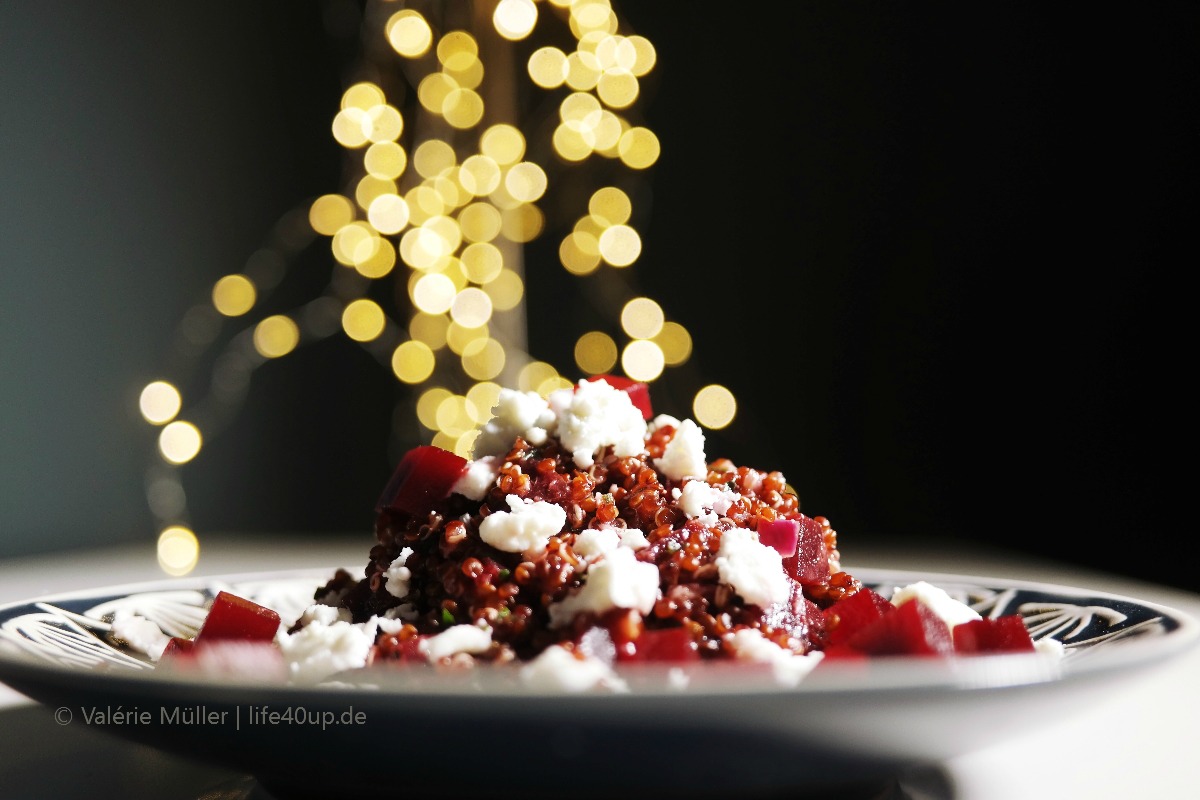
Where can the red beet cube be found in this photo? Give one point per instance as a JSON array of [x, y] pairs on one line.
[[850, 615], [782, 534], [661, 645], [1005, 634], [178, 647], [912, 630], [233, 617], [809, 562], [638, 392], [423, 477]]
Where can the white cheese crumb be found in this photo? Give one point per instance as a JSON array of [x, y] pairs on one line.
[[322, 614], [633, 538], [479, 478], [936, 600], [457, 639], [703, 501], [558, 669], [398, 575], [683, 457], [526, 528], [524, 414], [618, 580], [753, 569], [662, 420], [789, 668], [594, 542], [593, 416], [1049, 646], [317, 651], [387, 624], [140, 633]]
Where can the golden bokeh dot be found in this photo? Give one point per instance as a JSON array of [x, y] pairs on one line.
[[356, 240], [642, 318], [639, 148], [579, 253], [642, 360], [480, 222], [434, 293], [533, 374], [617, 89], [620, 245], [457, 49], [515, 19], [714, 406], [588, 16], [577, 107], [362, 96], [464, 445], [583, 71], [458, 337], [179, 442], [382, 123], [523, 223], [570, 144], [595, 353], [330, 213], [427, 405], [363, 320], [432, 157], [645, 55], [526, 181], [348, 127], [506, 290], [369, 187], [234, 295], [433, 89], [483, 396], [547, 67], [408, 33], [276, 336], [504, 144], [480, 175], [471, 308], [482, 360], [429, 329], [453, 416], [482, 262], [385, 160], [178, 550], [159, 402], [469, 76], [463, 108], [388, 213], [378, 262], [413, 362], [611, 205], [676, 343]]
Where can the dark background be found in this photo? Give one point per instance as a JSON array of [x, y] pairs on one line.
[[967, 320]]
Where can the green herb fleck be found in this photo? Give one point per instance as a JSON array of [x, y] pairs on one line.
[[503, 574], [447, 617]]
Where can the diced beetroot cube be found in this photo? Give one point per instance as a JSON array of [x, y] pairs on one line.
[[1005, 634], [809, 562], [233, 617], [638, 392], [423, 477], [178, 647], [850, 615], [662, 645], [782, 534], [912, 630]]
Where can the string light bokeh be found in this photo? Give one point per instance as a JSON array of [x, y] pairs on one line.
[[459, 137]]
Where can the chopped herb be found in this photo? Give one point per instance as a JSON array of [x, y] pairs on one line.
[[503, 613], [447, 617], [504, 573]]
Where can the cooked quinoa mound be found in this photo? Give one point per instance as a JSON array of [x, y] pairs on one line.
[[581, 531]]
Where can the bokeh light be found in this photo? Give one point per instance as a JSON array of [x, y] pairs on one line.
[[159, 402], [714, 407], [178, 550], [179, 442]]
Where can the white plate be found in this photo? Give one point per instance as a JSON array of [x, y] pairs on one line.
[[732, 728]]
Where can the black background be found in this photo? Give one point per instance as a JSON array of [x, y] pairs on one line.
[[970, 322]]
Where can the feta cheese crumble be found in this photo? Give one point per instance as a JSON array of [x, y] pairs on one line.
[[479, 478], [701, 500], [683, 457], [526, 528], [595, 542], [618, 580], [559, 669], [753, 569], [458, 639], [936, 600], [398, 575], [524, 414], [789, 668], [593, 416], [140, 633], [315, 652]]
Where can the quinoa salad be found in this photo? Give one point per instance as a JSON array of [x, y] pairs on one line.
[[585, 535]]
